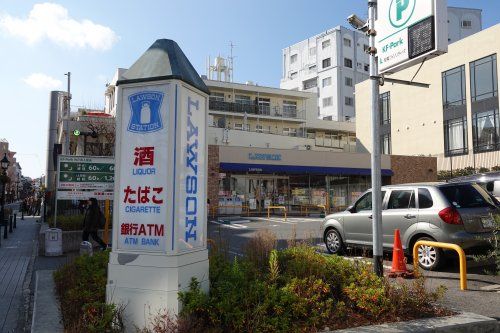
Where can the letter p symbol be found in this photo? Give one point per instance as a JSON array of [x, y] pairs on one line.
[[401, 6]]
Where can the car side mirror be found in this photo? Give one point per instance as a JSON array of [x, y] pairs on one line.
[[351, 209]]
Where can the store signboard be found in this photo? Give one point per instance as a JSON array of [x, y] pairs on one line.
[[409, 32], [160, 204], [85, 172], [141, 189]]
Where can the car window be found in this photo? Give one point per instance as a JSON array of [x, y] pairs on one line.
[[365, 202], [424, 198], [401, 199], [467, 196]]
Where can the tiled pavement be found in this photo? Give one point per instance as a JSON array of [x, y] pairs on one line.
[[15, 256]]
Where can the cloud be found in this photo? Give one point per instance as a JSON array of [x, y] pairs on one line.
[[42, 81], [52, 21]]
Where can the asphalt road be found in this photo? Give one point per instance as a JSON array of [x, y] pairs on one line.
[[482, 296]]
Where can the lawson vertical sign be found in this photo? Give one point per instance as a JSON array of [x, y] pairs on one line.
[[143, 169], [191, 171]]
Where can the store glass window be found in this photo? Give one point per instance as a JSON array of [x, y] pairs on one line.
[[455, 137], [486, 131], [483, 78], [385, 108], [385, 142], [453, 82]]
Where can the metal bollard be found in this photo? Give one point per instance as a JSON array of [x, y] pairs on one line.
[[86, 248], [22, 214], [15, 219], [10, 223], [5, 224]]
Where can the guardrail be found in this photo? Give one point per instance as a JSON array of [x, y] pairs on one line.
[[304, 209], [275, 207], [461, 256]]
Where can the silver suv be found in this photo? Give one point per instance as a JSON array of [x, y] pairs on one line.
[[459, 213]]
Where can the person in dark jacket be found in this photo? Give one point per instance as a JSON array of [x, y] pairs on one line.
[[92, 222]]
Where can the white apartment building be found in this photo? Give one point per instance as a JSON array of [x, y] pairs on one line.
[[333, 62], [329, 64], [463, 22]]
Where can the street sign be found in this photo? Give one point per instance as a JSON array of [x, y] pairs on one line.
[[84, 195], [85, 172], [409, 31]]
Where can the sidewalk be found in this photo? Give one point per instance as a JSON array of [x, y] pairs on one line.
[[16, 254]]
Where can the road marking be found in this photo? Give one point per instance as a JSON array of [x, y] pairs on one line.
[[231, 226]]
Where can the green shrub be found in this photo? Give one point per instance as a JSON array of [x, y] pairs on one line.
[[298, 290], [81, 288], [67, 222]]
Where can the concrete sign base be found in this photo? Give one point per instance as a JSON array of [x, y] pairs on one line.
[[146, 284]]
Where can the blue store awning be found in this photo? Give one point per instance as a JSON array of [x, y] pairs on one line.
[[297, 169]]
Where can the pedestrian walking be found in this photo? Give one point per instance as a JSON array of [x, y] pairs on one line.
[[92, 221]]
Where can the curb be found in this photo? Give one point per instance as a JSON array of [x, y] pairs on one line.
[[465, 322], [46, 313]]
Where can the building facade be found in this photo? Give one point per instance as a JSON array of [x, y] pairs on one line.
[[13, 172], [332, 63], [456, 119], [328, 64]]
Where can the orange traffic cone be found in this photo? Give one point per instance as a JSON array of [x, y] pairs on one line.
[[398, 259]]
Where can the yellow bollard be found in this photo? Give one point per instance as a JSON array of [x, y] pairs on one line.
[[449, 246]]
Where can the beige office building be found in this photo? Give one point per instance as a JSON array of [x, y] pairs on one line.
[[456, 119]]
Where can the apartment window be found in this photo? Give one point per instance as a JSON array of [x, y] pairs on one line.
[[327, 81], [312, 51], [261, 129], [289, 109], [311, 83], [217, 97], [348, 62], [326, 62], [367, 67], [385, 144], [366, 48], [289, 131], [348, 81], [453, 82], [455, 137], [349, 101], [347, 42], [385, 108], [293, 75], [327, 102], [312, 69], [486, 131], [325, 44], [483, 78], [293, 58], [467, 24], [265, 106], [242, 99]]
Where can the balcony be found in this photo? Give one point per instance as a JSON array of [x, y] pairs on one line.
[[254, 109]]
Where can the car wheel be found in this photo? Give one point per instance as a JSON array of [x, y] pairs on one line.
[[333, 242], [429, 257]]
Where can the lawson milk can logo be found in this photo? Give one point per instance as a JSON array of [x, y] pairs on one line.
[[145, 112], [401, 11]]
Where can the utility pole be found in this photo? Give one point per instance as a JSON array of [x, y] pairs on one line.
[[376, 176], [67, 118]]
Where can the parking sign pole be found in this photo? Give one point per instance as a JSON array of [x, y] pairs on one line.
[[375, 157]]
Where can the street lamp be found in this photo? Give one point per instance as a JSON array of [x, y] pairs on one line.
[[4, 164]]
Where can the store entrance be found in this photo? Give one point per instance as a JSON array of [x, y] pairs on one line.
[[255, 191], [264, 191]]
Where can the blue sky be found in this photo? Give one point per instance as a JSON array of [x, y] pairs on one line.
[[92, 38]]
